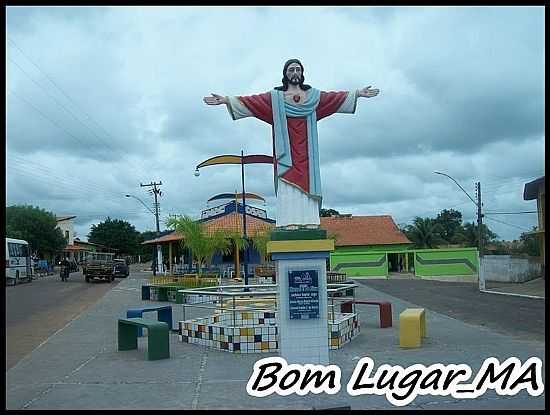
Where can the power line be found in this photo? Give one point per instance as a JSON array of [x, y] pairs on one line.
[[72, 188], [48, 118], [509, 180], [493, 192], [62, 106], [509, 224], [66, 96], [48, 178], [509, 213], [43, 170]]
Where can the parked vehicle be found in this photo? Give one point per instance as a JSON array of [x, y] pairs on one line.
[[18, 261], [121, 268], [99, 265]]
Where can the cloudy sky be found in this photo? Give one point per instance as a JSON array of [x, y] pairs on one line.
[[100, 99]]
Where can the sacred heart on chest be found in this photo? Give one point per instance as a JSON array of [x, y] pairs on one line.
[[296, 98]]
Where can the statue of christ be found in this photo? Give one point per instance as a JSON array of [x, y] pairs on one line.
[[293, 110]]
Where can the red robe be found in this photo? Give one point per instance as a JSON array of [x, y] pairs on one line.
[[260, 107]]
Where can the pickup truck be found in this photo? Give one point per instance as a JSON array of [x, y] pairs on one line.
[[121, 268], [99, 265]]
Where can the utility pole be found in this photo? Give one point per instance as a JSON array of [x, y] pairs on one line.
[[480, 236], [477, 202], [156, 192]]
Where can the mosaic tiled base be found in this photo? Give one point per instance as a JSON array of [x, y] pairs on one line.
[[255, 332], [251, 332], [344, 328], [171, 292], [199, 298], [262, 280]]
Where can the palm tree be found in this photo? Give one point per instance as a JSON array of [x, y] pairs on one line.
[[260, 240], [424, 232], [239, 243], [203, 245]]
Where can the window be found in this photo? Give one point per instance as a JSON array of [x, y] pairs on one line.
[[17, 250]]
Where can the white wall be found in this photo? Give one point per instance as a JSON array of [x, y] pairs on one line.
[[67, 225], [504, 268]]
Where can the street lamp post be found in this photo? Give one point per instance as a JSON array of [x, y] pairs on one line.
[[158, 248], [245, 258], [481, 277], [242, 160]]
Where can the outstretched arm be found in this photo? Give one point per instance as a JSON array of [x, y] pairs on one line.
[[258, 106], [234, 106], [343, 102]]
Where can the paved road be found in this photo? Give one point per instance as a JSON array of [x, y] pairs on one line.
[[80, 368], [36, 310], [519, 317]]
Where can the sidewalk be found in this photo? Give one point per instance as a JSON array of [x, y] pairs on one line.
[[79, 367], [533, 288]]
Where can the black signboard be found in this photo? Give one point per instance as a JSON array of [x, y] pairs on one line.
[[303, 294]]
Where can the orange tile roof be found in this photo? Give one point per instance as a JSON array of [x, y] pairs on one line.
[[75, 248], [171, 237], [364, 230], [231, 222], [234, 222]]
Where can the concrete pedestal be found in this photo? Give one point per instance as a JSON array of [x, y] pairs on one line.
[[302, 328]]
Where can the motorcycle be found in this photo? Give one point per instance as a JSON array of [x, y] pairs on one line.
[[64, 272]]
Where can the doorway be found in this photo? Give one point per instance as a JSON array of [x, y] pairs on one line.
[[400, 264]]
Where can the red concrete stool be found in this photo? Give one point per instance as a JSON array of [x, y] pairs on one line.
[[384, 307]]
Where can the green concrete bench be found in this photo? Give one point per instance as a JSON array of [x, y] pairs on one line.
[[158, 342]]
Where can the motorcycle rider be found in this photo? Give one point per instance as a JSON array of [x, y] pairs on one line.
[[64, 269]]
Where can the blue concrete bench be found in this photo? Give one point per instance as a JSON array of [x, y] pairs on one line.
[[164, 313]]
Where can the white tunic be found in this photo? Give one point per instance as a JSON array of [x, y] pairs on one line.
[[295, 207]]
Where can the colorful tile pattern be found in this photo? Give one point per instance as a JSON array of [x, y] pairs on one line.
[[255, 331], [343, 329]]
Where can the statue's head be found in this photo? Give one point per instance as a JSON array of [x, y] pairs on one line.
[[293, 73]]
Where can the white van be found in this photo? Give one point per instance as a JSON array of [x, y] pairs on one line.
[[18, 261]]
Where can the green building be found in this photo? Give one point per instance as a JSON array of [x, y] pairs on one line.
[[373, 246]]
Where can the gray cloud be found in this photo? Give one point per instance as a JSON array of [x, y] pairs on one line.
[[461, 92]]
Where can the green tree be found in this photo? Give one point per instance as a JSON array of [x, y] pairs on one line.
[[115, 234], [501, 248], [530, 243], [471, 234], [203, 245], [325, 213], [146, 251], [450, 221], [260, 240], [36, 226], [424, 233]]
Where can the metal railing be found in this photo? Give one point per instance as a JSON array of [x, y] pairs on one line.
[[229, 298]]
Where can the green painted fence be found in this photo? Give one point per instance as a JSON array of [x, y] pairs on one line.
[[363, 264], [442, 262]]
